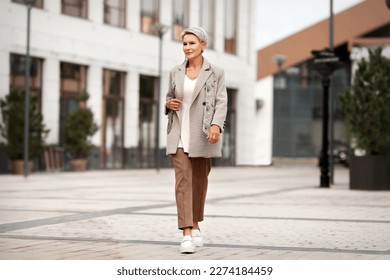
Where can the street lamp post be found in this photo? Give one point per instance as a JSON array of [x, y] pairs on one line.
[[331, 26], [331, 96], [280, 59], [325, 63], [160, 29], [324, 164], [29, 4]]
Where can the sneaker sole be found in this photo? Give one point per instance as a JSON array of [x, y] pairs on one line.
[[187, 250]]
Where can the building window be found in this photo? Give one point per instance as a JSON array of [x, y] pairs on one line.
[[115, 12], [73, 83], [37, 4], [17, 78], [147, 121], [298, 111], [230, 26], [207, 19], [180, 17], [76, 8], [149, 15], [113, 119], [229, 134]]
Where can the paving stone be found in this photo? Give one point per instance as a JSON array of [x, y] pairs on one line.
[[275, 213]]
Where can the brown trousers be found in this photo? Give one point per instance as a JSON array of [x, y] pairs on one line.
[[191, 176]]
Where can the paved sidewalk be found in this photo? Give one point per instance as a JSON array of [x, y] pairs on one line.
[[272, 213]]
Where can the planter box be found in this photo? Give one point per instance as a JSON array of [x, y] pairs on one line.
[[17, 167], [370, 172], [78, 165]]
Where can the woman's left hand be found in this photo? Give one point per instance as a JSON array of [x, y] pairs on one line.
[[214, 134]]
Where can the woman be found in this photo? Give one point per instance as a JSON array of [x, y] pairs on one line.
[[196, 106]]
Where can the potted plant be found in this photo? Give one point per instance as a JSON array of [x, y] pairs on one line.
[[12, 129], [78, 129], [366, 107]]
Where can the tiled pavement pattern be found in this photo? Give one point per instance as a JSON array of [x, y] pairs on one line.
[[273, 213]]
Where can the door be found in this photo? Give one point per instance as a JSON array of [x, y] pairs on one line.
[[113, 119]]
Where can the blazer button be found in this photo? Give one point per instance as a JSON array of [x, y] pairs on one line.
[[204, 103]]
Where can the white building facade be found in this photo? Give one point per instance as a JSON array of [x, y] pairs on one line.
[[110, 49]]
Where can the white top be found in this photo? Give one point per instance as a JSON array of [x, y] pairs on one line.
[[184, 113]]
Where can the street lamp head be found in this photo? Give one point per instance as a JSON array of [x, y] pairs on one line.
[[279, 59], [30, 2], [160, 28]]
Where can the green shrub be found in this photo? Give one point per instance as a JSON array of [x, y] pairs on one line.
[[366, 104], [78, 129], [12, 128]]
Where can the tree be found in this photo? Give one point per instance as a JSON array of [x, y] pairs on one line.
[[78, 129], [12, 129], [366, 104]]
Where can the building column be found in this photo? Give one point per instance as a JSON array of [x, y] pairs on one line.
[[131, 110], [133, 13], [245, 35], [95, 11], [51, 98], [53, 6], [251, 49], [194, 12], [166, 13], [95, 103], [4, 73], [219, 43], [245, 141], [264, 122]]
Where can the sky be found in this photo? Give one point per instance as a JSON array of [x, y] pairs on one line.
[[277, 19]]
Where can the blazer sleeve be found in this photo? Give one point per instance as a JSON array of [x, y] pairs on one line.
[[221, 101]]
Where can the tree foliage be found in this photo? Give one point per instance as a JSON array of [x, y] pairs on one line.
[[78, 129], [366, 104], [12, 128]]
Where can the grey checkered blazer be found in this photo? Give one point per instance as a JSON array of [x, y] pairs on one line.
[[208, 107]]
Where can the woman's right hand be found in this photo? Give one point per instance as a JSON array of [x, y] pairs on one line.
[[174, 104]]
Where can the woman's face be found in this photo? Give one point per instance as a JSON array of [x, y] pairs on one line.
[[192, 48]]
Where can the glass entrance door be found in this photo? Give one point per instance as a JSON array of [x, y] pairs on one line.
[[113, 119], [229, 133], [147, 113]]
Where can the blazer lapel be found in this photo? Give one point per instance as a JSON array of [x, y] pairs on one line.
[[205, 72], [179, 80]]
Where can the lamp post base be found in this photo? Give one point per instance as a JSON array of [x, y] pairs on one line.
[[324, 181]]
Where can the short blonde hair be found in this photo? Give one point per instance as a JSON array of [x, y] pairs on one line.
[[197, 31]]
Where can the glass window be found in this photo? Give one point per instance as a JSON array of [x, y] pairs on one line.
[[180, 17], [17, 78], [73, 82], [230, 26], [76, 8], [207, 19], [37, 4], [115, 12], [147, 120], [229, 134], [149, 15], [113, 118], [298, 111]]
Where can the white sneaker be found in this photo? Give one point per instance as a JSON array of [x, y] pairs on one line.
[[187, 245], [197, 237]]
